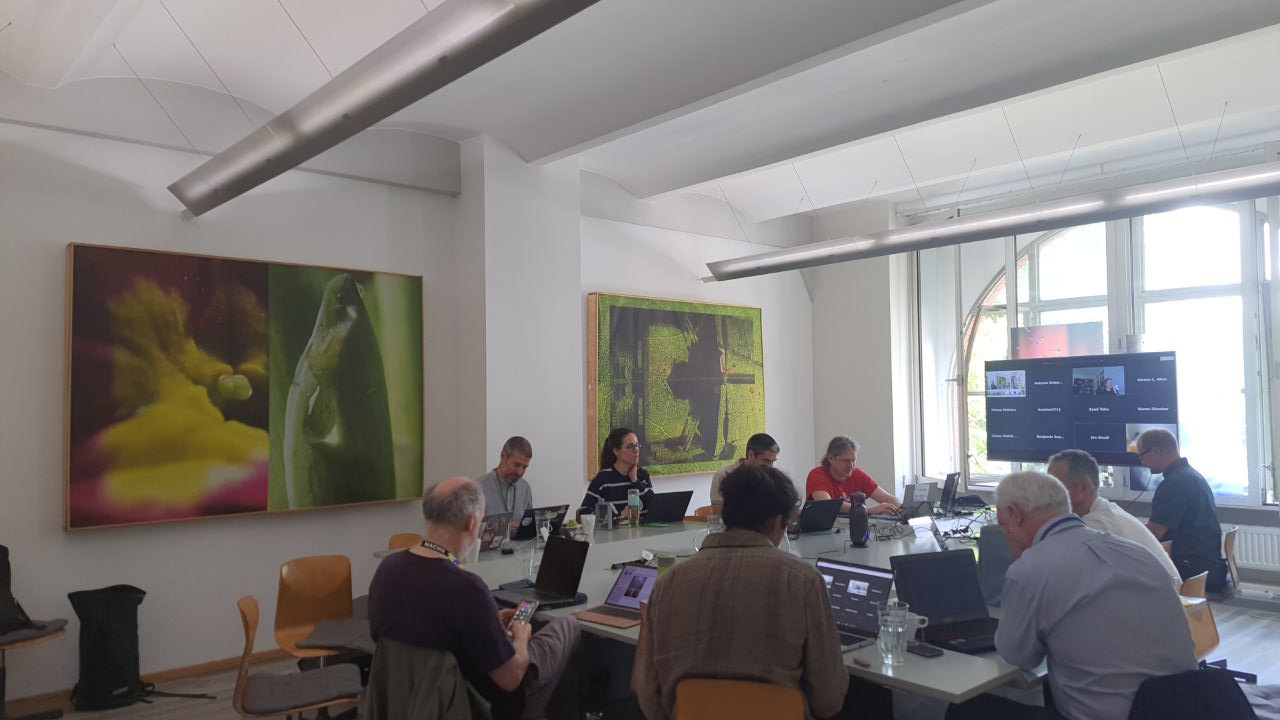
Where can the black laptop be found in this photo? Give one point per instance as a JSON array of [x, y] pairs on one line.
[[668, 507], [819, 516], [949, 487], [558, 577], [943, 586], [529, 520], [856, 593]]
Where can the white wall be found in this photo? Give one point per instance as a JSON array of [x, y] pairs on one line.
[[637, 260], [853, 364], [57, 188]]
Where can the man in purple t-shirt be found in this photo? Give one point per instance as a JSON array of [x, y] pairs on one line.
[[421, 597]]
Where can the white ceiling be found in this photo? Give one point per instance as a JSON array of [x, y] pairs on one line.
[[754, 100]]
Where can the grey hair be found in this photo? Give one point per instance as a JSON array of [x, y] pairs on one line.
[[1081, 466], [517, 445], [1033, 491], [839, 445], [451, 509], [1158, 439]]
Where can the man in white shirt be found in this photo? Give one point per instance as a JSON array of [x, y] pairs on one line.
[[1078, 471]]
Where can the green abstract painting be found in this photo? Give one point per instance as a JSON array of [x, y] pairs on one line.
[[687, 377]]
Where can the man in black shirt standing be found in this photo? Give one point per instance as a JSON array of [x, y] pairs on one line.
[[421, 597], [1183, 511]]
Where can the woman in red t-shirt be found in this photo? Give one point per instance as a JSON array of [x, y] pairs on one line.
[[837, 478]]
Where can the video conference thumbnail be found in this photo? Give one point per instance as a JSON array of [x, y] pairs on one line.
[[1097, 381], [1007, 383]]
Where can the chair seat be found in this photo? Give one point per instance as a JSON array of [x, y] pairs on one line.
[[26, 636], [266, 693]]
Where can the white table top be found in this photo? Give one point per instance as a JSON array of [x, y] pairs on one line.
[[953, 677]]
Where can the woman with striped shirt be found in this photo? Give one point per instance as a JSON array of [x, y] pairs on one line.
[[620, 471]]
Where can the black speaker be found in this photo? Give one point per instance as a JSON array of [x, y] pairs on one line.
[[858, 525]]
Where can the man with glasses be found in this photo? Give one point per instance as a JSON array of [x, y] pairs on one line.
[[762, 449], [1183, 511]]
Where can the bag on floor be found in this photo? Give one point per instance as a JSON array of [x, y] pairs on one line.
[[109, 675]]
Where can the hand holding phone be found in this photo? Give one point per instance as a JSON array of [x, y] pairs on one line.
[[524, 612]]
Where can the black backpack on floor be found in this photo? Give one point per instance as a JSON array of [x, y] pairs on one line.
[[109, 675]]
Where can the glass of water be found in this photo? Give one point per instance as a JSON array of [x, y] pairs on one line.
[[898, 625]]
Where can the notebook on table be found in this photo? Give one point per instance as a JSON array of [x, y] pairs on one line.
[[856, 593], [493, 530], [558, 577], [622, 608], [819, 515], [943, 586], [668, 507]]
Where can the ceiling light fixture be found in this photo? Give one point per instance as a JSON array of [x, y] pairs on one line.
[[448, 42], [1226, 186]]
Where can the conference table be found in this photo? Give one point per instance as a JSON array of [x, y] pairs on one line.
[[952, 677]]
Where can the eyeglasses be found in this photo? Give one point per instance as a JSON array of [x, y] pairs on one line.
[[631, 446], [1144, 452]]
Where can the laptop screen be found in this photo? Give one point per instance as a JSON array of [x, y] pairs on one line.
[[942, 586], [561, 568], [855, 592], [633, 586], [949, 490]]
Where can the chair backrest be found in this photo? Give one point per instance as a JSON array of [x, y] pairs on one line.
[[704, 512], [248, 606], [1207, 693], [708, 698], [1229, 549], [1168, 547], [400, 541], [1194, 586], [312, 589], [1204, 629]]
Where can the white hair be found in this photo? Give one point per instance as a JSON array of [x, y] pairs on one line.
[[1033, 491]]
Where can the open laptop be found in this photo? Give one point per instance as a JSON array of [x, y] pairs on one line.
[[921, 492], [949, 487], [943, 587], [622, 608], [494, 530], [855, 592], [558, 577], [527, 530], [819, 516], [668, 507]]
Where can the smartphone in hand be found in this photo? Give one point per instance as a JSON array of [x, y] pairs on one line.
[[525, 611]]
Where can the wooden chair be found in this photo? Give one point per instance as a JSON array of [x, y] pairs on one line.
[[707, 699], [1193, 587], [311, 589], [45, 631], [1168, 547], [1229, 549], [266, 695], [400, 541], [701, 514], [1204, 629]]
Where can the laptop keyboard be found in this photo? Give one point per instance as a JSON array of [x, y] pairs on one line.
[[849, 639], [616, 612]]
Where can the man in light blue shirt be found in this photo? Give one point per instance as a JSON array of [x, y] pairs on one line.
[[1099, 608], [504, 487]]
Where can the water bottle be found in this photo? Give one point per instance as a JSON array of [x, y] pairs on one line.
[[858, 525], [633, 506], [604, 514]]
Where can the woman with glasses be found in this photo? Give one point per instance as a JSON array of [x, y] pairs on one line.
[[620, 471]]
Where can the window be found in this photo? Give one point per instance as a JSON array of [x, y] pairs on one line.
[[1186, 281]]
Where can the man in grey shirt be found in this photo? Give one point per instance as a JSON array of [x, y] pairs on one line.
[[762, 449], [1098, 607], [504, 487]]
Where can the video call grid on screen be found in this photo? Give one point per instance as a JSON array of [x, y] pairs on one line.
[[1097, 403]]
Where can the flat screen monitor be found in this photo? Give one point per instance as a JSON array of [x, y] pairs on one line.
[[1097, 403]]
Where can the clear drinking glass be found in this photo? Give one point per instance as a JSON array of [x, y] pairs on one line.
[[714, 525], [897, 626], [530, 559], [543, 520]]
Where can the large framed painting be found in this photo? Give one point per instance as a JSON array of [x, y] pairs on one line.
[[203, 386], [687, 377]]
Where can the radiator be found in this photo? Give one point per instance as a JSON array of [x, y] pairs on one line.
[[1258, 548]]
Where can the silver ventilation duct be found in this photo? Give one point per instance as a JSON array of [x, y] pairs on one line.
[[448, 42], [1218, 187]]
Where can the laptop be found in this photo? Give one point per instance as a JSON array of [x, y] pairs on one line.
[[558, 577], [819, 516], [668, 507], [856, 592], [494, 530], [526, 531], [943, 586], [622, 608], [949, 487], [921, 492]]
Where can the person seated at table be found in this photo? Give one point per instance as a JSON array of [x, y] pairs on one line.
[[423, 598], [1183, 510], [1099, 608], [504, 487], [741, 609], [762, 449], [620, 471], [1078, 472], [837, 478]]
